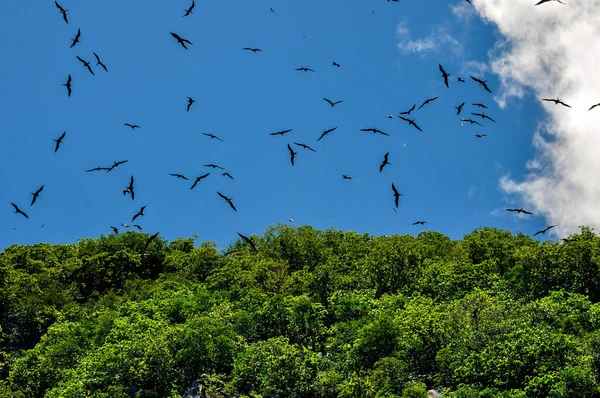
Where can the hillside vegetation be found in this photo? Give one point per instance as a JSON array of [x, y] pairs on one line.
[[309, 314]]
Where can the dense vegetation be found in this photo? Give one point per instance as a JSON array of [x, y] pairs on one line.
[[310, 314]]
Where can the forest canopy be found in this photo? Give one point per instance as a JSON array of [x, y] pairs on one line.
[[309, 313]]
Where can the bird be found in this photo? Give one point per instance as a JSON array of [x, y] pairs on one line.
[[36, 194], [212, 136], [97, 169], [115, 230], [480, 135], [390, 116], [228, 200], [345, 177], [133, 126], [445, 75], [68, 85], [483, 116], [521, 210], [198, 179], [139, 213], [374, 131], [304, 69], [19, 211], [460, 80], [593, 106], [137, 226], [396, 195], [282, 132], [292, 154], [545, 1], [271, 9], [179, 176], [470, 121], [248, 241], [254, 50], [98, 62], [189, 10], [543, 231], [59, 141], [116, 164], [124, 225], [482, 83], [226, 175], [411, 121], [333, 103], [86, 64], [129, 189], [479, 105], [76, 39], [385, 162], [459, 108], [326, 132], [409, 111], [214, 166], [149, 240], [190, 102], [427, 101], [335, 64], [304, 146], [556, 101], [62, 11], [419, 223], [181, 40]]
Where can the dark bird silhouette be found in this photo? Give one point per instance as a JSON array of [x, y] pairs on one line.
[[62, 11], [409, 111], [345, 177], [214, 166], [97, 169], [333, 103], [282, 132], [190, 102], [479, 105], [181, 40], [521, 210], [374, 131], [396, 195], [335, 64], [419, 223], [385, 162], [68, 85], [124, 225], [545, 1], [483, 116], [304, 69], [556, 101], [86, 64], [227, 175], [411, 121], [248, 241], [482, 83], [459, 108], [304, 146], [480, 135], [543, 231], [129, 189], [189, 10], [59, 141], [198, 179], [228, 200], [470, 121], [115, 230], [254, 50], [133, 126], [139, 213], [445, 75], [292, 154], [150, 240], [214, 137], [326, 132], [179, 176], [19, 211], [593, 106], [98, 62], [76, 39], [116, 164], [460, 80], [427, 101], [36, 194], [137, 226]]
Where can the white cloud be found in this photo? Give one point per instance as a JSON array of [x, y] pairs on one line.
[[439, 39], [551, 50]]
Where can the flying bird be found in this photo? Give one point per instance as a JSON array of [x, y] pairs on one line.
[[427, 101], [116, 164], [98, 62], [36, 194], [115, 230], [190, 102], [68, 85], [76, 39], [271, 9], [345, 177], [137, 226], [189, 10], [228, 200], [254, 50], [326, 132], [198, 179], [480, 105], [543, 231], [59, 141], [482, 83], [593, 106], [333, 103], [409, 111], [86, 64], [483, 116], [460, 80], [214, 166], [62, 11], [304, 146], [385, 162], [445, 75], [19, 211], [179, 176], [282, 132], [419, 223], [292, 154], [129, 189], [97, 169], [521, 210], [556, 101], [124, 225], [545, 1], [459, 108], [139, 213], [374, 131], [150, 239], [470, 121], [396, 195], [214, 137], [480, 135], [335, 64], [248, 241], [411, 121], [181, 40], [304, 69], [226, 175], [133, 126]]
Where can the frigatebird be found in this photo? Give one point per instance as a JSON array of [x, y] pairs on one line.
[[333, 103], [248, 241], [374, 131], [482, 83], [470, 121], [189, 10], [593, 106], [68, 85], [97, 169], [181, 40], [345, 177], [116, 164], [483, 116], [521, 210], [325, 133], [19, 211], [214, 137], [62, 11], [98, 62], [150, 239], [460, 79], [59, 141], [139, 213], [419, 223], [445, 75], [228, 200], [480, 105], [427, 101], [36, 194], [282, 132], [385, 162], [459, 108], [115, 230], [179, 176], [86, 64], [396, 195], [226, 174], [411, 121], [480, 135], [198, 179], [129, 189], [214, 166], [545, 1], [304, 69], [304, 146], [137, 226], [76, 39], [409, 111], [190, 102], [543, 231], [292, 154], [335, 64], [133, 126], [254, 50], [556, 101]]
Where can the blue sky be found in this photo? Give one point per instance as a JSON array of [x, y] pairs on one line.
[[448, 177]]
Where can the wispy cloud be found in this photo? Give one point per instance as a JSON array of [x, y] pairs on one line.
[[439, 39]]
